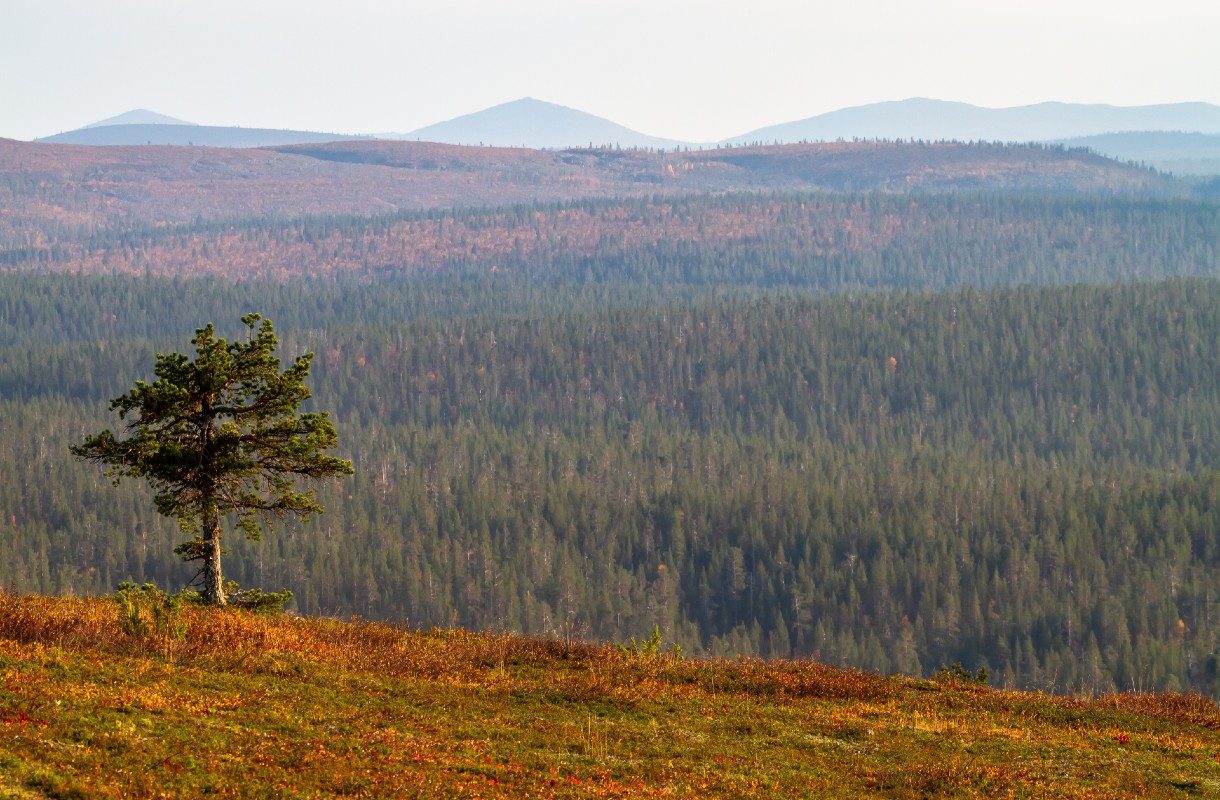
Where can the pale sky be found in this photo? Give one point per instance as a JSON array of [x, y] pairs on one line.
[[695, 71]]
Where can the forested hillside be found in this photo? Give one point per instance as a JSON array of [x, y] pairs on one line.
[[54, 194], [1025, 479], [823, 241]]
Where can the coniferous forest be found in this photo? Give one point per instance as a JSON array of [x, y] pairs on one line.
[[889, 431]]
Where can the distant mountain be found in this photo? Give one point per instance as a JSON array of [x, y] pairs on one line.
[[139, 116], [919, 118], [190, 134], [1179, 153], [535, 123]]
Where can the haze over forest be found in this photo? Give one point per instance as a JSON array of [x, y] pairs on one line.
[[1181, 138]]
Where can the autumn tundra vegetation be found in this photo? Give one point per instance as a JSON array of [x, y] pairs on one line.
[[229, 703]]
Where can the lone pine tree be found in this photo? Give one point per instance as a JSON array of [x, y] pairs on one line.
[[218, 435]]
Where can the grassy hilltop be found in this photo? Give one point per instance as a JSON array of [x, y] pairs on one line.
[[233, 704]]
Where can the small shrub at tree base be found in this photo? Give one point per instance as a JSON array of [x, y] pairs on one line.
[[149, 613], [956, 672], [256, 600], [648, 648]]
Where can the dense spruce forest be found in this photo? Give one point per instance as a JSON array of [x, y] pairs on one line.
[[820, 241], [894, 432]]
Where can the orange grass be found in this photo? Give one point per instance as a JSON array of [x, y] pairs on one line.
[[251, 706]]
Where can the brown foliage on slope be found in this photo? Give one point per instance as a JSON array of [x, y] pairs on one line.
[[56, 194]]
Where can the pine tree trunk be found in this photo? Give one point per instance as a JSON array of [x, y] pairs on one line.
[[213, 582]]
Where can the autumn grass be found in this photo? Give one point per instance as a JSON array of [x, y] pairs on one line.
[[254, 706]]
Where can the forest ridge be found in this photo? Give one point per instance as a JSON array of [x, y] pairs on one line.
[[59, 195]]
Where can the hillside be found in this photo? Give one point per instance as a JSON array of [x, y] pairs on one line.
[[1175, 152], [57, 194], [187, 135], [937, 120], [242, 705], [823, 240], [536, 124], [892, 481]]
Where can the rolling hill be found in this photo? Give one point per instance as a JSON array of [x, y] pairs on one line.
[[54, 193], [940, 120], [537, 124], [188, 134], [1175, 152]]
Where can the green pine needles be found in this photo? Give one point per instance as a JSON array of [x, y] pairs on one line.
[[220, 435]]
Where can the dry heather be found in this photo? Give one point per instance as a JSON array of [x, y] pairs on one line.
[[242, 705]]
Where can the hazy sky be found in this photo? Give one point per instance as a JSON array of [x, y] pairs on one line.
[[687, 70]]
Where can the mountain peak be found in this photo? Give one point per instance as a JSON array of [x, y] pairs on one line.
[[138, 116], [530, 122]]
